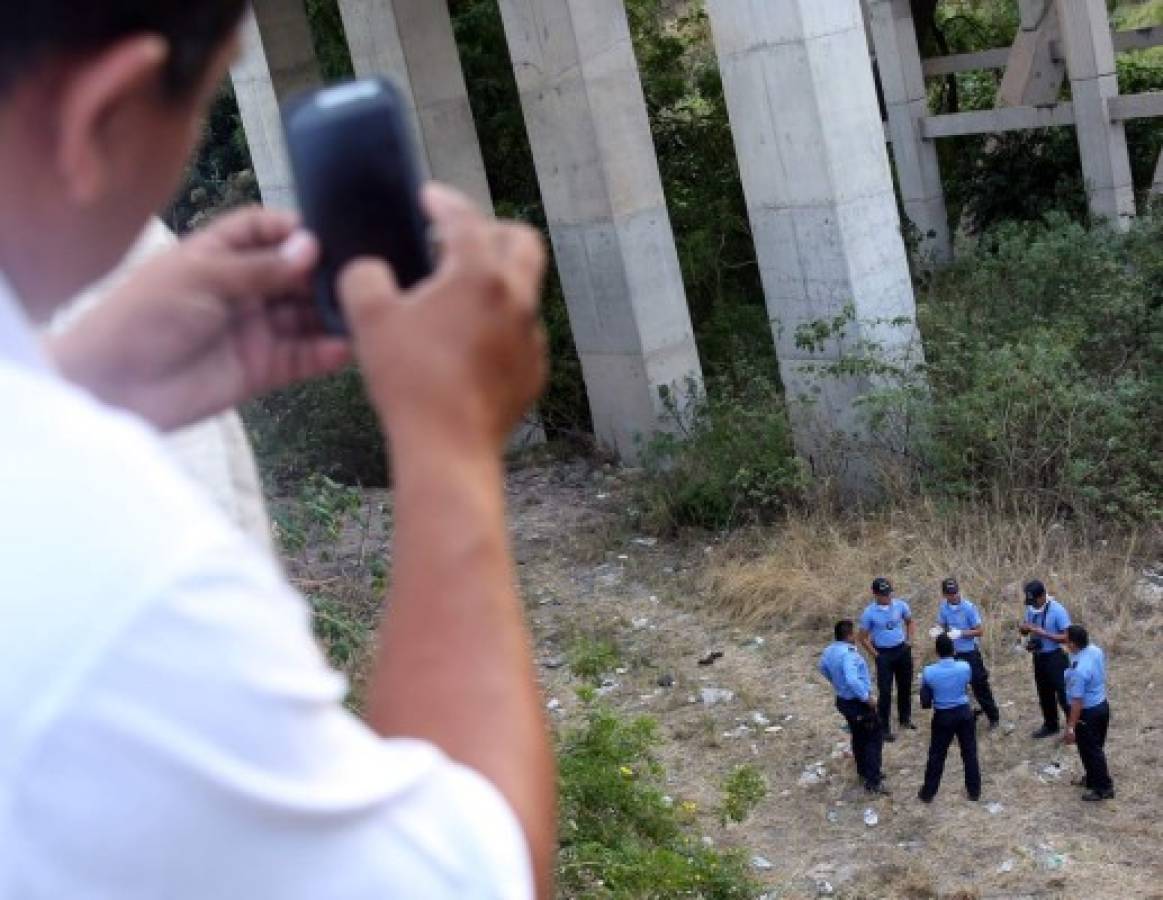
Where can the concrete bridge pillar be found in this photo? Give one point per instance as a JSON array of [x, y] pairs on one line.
[[277, 59], [412, 42], [812, 156], [586, 117], [1102, 143]]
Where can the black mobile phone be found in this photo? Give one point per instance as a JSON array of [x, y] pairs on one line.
[[358, 183]]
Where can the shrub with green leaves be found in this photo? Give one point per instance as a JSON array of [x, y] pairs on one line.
[[1045, 363], [619, 837], [591, 658], [742, 791], [729, 463]]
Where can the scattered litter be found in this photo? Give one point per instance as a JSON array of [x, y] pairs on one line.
[[994, 808], [691, 698], [840, 750], [1007, 866], [871, 819], [1050, 772], [709, 659], [553, 704], [623, 556], [738, 731], [645, 541], [667, 680], [1049, 860], [824, 889], [667, 800], [640, 623], [759, 862], [707, 840], [653, 598], [788, 717], [813, 774], [607, 688], [546, 601], [621, 670], [760, 719], [602, 496], [1008, 727], [833, 816], [773, 729], [712, 695], [1008, 703], [553, 662], [783, 696], [756, 641]]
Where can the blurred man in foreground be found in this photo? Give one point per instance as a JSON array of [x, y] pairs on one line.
[[168, 727]]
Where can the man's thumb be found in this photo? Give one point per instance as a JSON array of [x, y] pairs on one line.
[[367, 291]]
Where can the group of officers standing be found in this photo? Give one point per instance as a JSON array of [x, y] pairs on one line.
[[1074, 683]]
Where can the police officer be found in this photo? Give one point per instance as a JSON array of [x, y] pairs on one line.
[[962, 622], [886, 632], [842, 664], [1045, 625], [1089, 714], [943, 686]]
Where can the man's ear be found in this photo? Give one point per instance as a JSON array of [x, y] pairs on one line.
[[97, 91]]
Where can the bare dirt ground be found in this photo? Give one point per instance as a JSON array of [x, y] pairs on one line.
[[585, 575]]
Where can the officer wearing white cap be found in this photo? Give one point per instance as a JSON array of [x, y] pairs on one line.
[[1090, 714], [842, 664], [886, 632], [962, 622], [1045, 625]]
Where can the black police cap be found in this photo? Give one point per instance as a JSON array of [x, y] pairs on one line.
[[949, 586], [881, 587], [1034, 589]]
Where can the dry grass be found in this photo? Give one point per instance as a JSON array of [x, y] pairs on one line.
[[813, 570]]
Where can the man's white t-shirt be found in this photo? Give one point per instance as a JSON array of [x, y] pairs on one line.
[[168, 727]]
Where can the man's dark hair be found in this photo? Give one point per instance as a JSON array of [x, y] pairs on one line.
[[843, 629], [1078, 636], [33, 32], [944, 646]]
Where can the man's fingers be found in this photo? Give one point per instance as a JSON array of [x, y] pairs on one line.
[[523, 260], [367, 291], [248, 229], [265, 274], [459, 225]]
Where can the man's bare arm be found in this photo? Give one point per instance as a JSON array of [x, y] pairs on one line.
[[451, 367]]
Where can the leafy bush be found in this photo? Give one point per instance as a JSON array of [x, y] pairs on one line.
[[1045, 362], [591, 658], [619, 837], [325, 427], [742, 791], [732, 463]]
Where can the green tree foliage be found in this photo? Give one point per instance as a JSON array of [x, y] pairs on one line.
[[1045, 352], [620, 838]]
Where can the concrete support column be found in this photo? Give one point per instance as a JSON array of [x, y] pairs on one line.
[[804, 114], [1035, 71], [901, 79], [1090, 61], [277, 58], [412, 42], [586, 117]]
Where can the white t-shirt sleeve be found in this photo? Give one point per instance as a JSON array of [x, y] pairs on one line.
[[208, 755]]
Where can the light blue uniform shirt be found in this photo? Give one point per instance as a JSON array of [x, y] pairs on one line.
[[962, 616], [1086, 677], [1053, 617], [886, 624], [948, 679], [842, 664]]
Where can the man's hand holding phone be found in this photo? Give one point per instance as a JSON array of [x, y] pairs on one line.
[[457, 360]]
